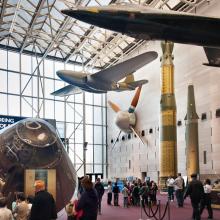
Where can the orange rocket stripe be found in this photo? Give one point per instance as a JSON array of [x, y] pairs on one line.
[[114, 106]]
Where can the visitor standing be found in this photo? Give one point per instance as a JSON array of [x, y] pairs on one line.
[[43, 207], [179, 188], [196, 192], [125, 196], [206, 202], [109, 193], [100, 190], [5, 213], [88, 201], [22, 210], [116, 192], [170, 188]]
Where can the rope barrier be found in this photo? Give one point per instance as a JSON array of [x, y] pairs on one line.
[[153, 213]]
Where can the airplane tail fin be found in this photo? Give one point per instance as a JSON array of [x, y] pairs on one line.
[[67, 90], [135, 84], [129, 78], [213, 56]]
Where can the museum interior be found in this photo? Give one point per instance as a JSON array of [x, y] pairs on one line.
[[121, 90]]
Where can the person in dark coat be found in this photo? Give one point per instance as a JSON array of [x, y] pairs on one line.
[[196, 192], [100, 190], [116, 191], [43, 207], [135, 195], [109, 195], [88, 201]]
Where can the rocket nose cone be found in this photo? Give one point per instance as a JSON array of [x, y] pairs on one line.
[[86, 14], [69, 11], [76, 13]]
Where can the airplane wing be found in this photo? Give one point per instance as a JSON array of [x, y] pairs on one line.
[[71, 90], [67, 90], [121, 70], [213, 56]]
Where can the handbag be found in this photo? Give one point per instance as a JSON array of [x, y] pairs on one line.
[[70, 209]]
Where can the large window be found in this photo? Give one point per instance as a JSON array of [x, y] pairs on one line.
[[25, 90]]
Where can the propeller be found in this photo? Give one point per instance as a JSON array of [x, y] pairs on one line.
[[135, 100], [114, 106], [126, 120], [137, 134]]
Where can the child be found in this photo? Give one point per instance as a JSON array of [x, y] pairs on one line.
[[125, 193]]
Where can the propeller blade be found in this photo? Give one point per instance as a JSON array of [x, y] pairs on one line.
[[135, 100], [116, 140], [137, 134], [114, 106]]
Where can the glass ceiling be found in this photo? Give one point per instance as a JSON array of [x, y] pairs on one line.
[[38, 27]]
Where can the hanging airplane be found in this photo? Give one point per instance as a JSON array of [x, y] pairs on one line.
[[146, 23], [143, 22], [107, 79], [126, 120]]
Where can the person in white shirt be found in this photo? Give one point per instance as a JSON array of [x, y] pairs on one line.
[[179, 188], [5, 213], [206, 202], [170, 188], [109, 193]]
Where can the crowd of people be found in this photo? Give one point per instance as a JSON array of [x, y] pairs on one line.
[[200, 193], [132, 192], [41, 206], [88, 204]]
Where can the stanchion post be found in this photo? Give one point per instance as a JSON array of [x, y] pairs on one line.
[[159, 210], [141, 203], [168, 209]]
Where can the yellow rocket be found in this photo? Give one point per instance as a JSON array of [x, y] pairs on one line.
[[168, 149]]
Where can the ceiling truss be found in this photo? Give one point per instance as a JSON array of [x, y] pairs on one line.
[[38, 27]]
